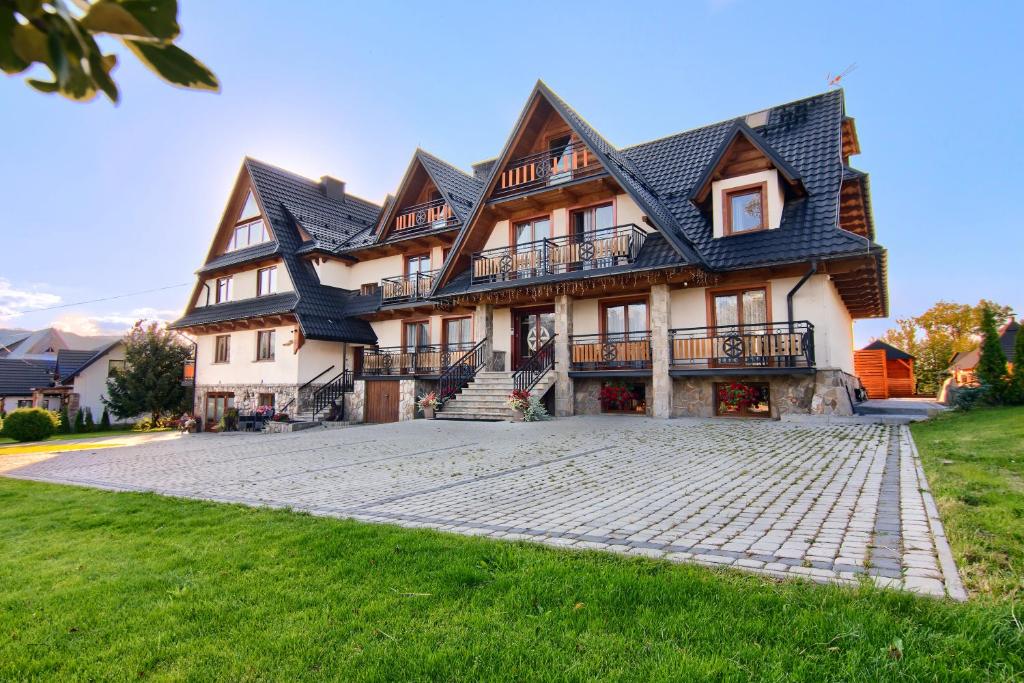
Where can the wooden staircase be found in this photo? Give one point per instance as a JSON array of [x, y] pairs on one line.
[[484, 398]]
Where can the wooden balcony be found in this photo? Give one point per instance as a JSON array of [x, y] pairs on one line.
[[620, 351], [433, 215], [547, 169], [405, 288], [738, 349], [428, 360], [594, 250]]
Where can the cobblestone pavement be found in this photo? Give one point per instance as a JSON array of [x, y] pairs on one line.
[[825, 502]]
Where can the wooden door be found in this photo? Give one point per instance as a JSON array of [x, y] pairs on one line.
[[381, 401]]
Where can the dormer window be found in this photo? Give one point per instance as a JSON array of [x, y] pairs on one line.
[[223, 290], [745, 208], [250, 229]]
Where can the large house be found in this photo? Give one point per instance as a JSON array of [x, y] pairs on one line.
[[664, 278]]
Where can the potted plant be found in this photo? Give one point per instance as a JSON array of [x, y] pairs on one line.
[[736, 397], [281, 417], [518, 401], [428, 403]]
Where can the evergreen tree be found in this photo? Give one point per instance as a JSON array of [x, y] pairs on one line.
[[90, 426], [1016, 389], [991, 370], [65, 420], [79, 421], [105, 420], [151, 379]]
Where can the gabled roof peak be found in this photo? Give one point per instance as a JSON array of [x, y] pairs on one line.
[[738, 128]]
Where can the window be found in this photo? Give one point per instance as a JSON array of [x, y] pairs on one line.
[[746, 399], [266, 281], [628, 319], [417, 264], [368, 289], [592, 218], [740, 308], [744, 209], [458, 334], [24, 403], [531, 231], [416, 334], [250, 229], [265, 345], [222, 349], [223, 289], [114, 366], [529, 257], [266, 400]]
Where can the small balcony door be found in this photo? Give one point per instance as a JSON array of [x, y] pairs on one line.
[[458, 334], [529, 256], [584, 224], [531, 329], [740, 318]]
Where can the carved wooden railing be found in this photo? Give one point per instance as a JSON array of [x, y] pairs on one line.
[[610, 351], [758, 345], [544, 169], [401, 288], [432, 214]]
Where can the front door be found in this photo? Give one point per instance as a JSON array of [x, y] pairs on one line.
[[216, 405], [381, 401], [531, 329], [741, 317]]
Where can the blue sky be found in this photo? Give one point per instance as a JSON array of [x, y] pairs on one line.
[[97, 200]]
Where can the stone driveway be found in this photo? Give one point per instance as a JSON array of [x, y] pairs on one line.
[[825, 502]]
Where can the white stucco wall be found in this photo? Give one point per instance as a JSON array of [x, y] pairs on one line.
[[775, 194], [243, 367], [243, 285], [345, 276], [91, 383], [585, 316], [688, 307]]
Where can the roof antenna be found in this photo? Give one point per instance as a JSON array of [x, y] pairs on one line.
[[833, 81]]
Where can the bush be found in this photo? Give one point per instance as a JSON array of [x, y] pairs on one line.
[[30, 424], [90, 426], [535, 411], [143, 425], [967, 398], [65, 421], [79, 421], [105, 420]]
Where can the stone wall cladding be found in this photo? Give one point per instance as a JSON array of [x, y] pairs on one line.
[[826, 392], [283, 393], [587, 393], [355, 402], [406, 399]]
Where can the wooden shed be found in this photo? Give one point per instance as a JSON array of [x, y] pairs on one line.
[[885, 371]]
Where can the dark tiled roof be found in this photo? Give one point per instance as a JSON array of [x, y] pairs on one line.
[[806, 134], [18, 377], [69, 362], [240, 256], [272, 304], [891, 352], [459, 189]]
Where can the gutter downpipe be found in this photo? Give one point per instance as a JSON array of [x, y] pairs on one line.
[[789, 297]]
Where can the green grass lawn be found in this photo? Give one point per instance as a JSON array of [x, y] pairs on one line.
[[116, 586], [88, 435], [975, 465]]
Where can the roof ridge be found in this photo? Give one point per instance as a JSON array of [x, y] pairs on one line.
[[299, 176], [469, 176]]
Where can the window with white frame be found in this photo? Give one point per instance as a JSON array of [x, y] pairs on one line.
[[265, 345], [266, 281]]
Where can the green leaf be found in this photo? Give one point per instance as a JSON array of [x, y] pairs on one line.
[[58, 59], [110, 17], [29, 43], [100, 67], [174, 65], [10, 61], [159, 17]]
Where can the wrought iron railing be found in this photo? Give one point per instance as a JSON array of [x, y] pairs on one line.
[[401, 288], [535, 367], [545, 169], [298, 392], [757, 345], [428, 359], [610, 351], [462, 371], [326, 396], [427, 216], [592, 250]]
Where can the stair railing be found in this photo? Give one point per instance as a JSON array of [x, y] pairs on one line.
[[535, 367], [325, 396], [298, 391], [461, 372]]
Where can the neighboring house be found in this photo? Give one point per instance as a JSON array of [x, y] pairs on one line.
[[19, 380], [885, 371], [962, 366], [642, 279], [46, 343]]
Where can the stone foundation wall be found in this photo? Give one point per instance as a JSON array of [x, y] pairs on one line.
[[355, 402], [826, 392], [587, 394], [247, 395]]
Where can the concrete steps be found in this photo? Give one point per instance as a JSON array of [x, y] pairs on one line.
[[484, 398]]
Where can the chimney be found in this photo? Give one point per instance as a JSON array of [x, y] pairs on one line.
[[482, 169], [333, 188]]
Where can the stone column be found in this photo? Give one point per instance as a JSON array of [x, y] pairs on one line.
[[563, 330], [355, 408], [661, 401], [406, 399], [483, 327]]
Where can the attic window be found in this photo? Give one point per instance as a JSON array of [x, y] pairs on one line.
[[250, 229], [744, 208]]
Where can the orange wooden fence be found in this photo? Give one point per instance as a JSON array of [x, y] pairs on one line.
[[869, 364]]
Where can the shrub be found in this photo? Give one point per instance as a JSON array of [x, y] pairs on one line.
[[90, 426], [535, 411], [143, 425], [967, 398], [79, 421], [30, 424], [105, 420], [65, 421]]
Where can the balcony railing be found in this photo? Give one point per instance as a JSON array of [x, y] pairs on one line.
[[401, 288], [761, 345], [432, 359], [431, 215], [592, 250], [611, 351], [547, 169]]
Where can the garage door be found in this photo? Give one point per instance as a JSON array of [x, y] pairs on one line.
[[381, 401]]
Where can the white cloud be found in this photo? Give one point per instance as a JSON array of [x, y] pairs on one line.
[[14, 302], [111, 323]]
